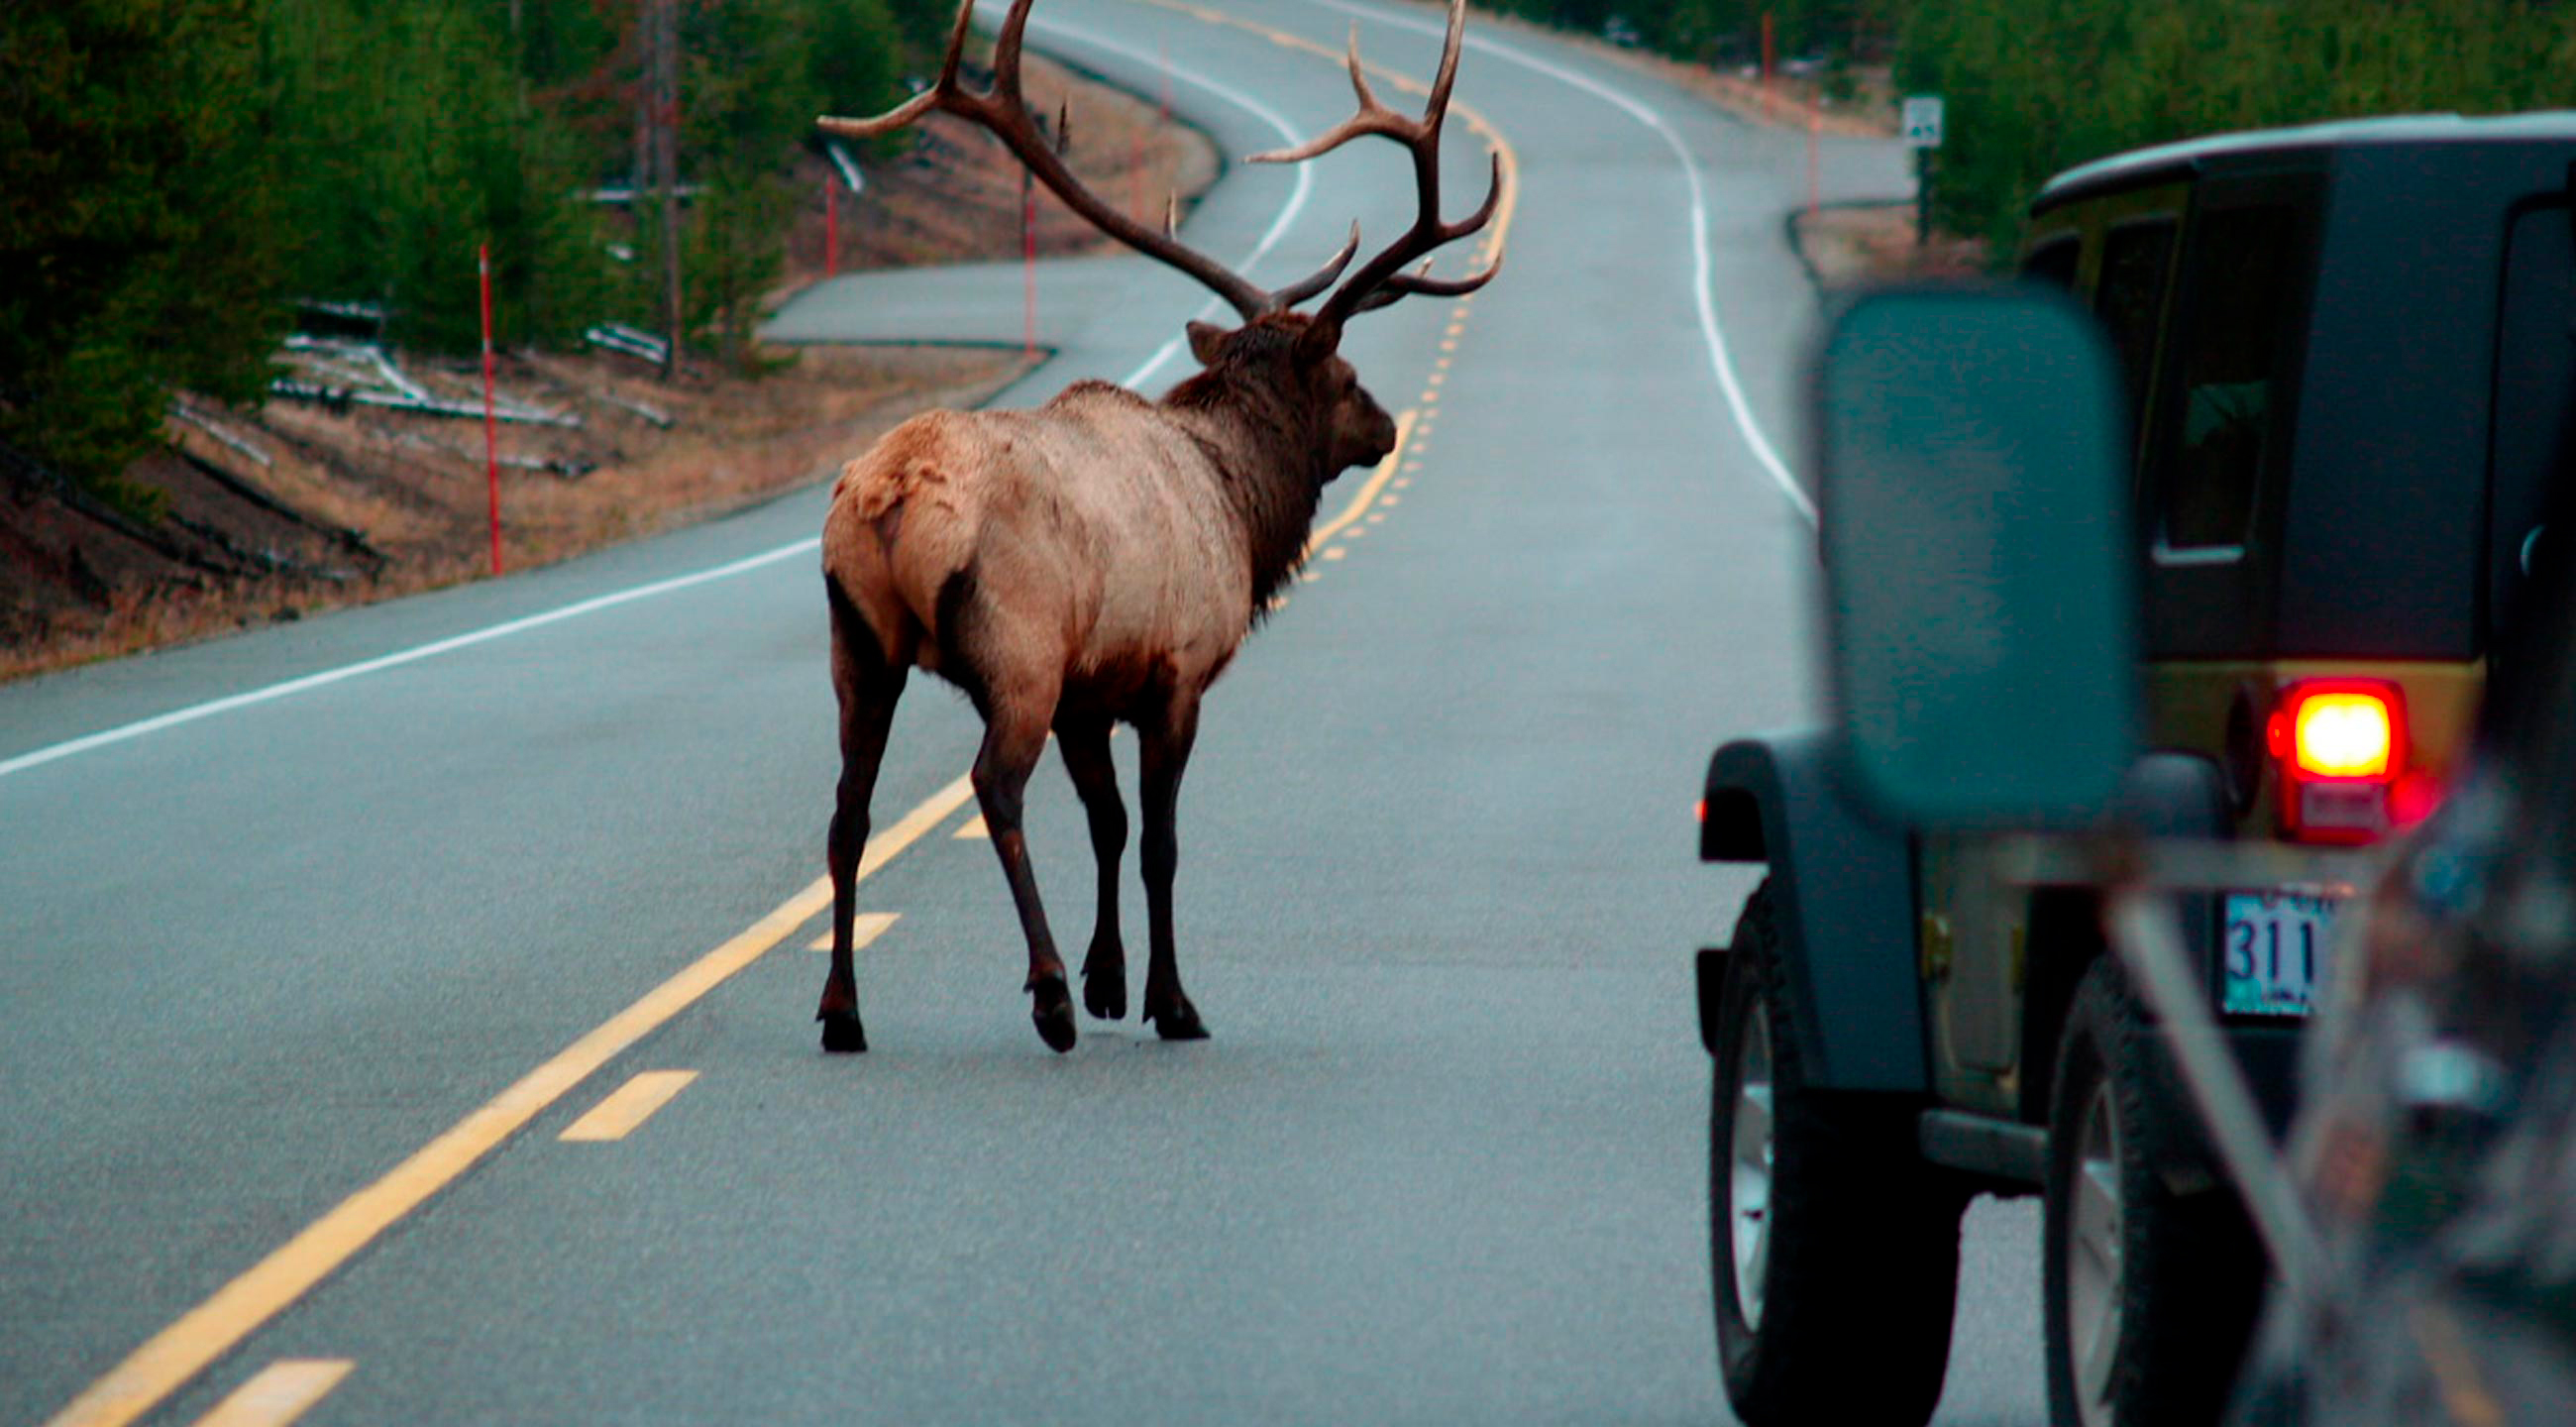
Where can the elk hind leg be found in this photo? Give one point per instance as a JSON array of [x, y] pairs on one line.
[[1085, 744], [867, 683], [1166, 753], [1015, 730]]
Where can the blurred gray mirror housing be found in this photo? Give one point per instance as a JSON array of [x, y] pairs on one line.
[[1980, 608]]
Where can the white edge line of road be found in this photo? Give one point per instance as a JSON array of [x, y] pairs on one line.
[[269, 693], [1704, 263]]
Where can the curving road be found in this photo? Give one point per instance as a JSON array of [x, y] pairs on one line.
[[314, 942]]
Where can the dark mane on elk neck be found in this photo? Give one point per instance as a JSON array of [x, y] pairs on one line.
[[1275, 491], [1101, 558]]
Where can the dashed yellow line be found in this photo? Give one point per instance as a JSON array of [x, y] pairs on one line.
[[279, 1393], [630, 1105], [973, 830], [865, 927], [212, 1328]]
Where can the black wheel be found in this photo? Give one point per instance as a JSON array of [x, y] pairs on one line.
[[2153, 1273], [1835, 1248]]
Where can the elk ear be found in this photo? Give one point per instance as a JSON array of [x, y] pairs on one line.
[[1206, 340], [1317, 340]]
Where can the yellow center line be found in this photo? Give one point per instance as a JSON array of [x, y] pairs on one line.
[[631, 1104], [973, 829], [280, 1393], [212, 1328]]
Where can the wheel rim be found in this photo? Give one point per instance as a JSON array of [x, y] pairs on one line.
[[1748, 1194], [2092, 1249]]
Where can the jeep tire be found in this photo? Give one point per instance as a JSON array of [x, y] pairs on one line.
[[1834, 1246], [2152, 1272]]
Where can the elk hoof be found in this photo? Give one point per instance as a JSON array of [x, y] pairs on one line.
[[842, 1033], [1177, 1020], [1104, 991], [1053, 1014]]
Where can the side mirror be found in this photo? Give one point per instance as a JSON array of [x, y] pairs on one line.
[[1980, 608]]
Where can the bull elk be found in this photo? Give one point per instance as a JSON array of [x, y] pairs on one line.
[[1100, 559]]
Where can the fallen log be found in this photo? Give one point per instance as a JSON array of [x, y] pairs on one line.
[[347, 539], [349, 396], [28, 474], [240, 444], [652, 414], [628, 341]]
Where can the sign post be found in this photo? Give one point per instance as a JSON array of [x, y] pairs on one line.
[[1921, 126]]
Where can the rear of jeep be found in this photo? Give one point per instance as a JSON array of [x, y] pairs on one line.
[[2351, 358]]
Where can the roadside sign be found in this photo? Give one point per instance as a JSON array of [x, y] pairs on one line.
[[1922, 121]]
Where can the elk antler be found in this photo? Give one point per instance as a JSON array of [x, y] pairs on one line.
[[1004, 111], [1382, 279]]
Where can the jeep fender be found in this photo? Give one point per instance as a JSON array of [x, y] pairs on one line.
[[1842, 885]]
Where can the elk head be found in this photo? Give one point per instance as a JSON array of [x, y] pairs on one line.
[[1271, 356]]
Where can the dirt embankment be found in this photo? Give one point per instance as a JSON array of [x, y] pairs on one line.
[[297, 507], [1872, 243]]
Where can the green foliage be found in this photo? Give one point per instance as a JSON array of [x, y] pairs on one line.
[[401, 142], [924, 27], [134, 228], [173, 172], [853, 69], [2018, 111]]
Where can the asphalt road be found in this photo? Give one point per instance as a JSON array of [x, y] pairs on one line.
[[1443, 1161]]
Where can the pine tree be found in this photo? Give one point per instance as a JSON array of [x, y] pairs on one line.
[[134, 225]]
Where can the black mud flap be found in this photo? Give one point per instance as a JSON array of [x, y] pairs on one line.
[[1712, 991]]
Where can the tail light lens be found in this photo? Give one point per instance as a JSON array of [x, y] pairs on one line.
[[2340, 745]]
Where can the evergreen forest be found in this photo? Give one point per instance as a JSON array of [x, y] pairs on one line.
[[176, 175], [2034, 87]]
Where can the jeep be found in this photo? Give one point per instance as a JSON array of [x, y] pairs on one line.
[[2347, 360]]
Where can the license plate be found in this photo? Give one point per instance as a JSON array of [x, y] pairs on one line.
[[2275, 951]]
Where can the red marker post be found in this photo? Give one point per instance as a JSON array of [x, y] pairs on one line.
[[491, 429], [1815, 164], [1136, 175], [1767, 57]]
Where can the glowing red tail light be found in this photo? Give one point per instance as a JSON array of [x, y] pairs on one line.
[[2340, 745]]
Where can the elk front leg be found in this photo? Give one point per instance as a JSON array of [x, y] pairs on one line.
[[1085, 744], [1166, 754], [1013, 738], [868, 686]]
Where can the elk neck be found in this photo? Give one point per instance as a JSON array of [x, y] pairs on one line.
[[1269, 447]]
